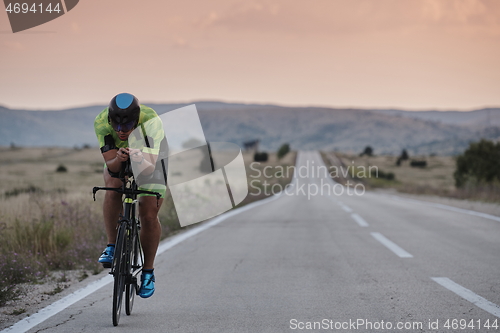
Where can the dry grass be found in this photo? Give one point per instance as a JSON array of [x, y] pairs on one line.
[[48, 219], [435, 179], [437, 175], [25, 167]]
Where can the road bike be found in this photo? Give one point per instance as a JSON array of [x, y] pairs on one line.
[[128, 258]]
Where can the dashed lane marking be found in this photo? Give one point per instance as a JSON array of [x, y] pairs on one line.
[[359, 220], [391, 245]]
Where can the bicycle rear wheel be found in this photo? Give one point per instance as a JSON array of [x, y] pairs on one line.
[[131, 285], [119, 272]]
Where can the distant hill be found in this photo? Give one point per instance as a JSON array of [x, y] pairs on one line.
[[387, 131], [480, 118]]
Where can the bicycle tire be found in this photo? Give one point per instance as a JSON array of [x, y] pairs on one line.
[[131, 286], [119, 273]]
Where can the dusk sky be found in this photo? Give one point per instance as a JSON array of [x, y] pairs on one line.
[[410, 54]]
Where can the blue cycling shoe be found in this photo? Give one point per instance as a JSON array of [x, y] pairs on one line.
[[106, 258], [147, 284]]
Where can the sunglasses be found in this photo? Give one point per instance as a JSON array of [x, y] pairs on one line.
[[123, 127]]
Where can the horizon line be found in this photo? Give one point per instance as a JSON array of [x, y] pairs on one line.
[[350, 107]]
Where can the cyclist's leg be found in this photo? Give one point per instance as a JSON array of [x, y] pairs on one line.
[[150, 228], [112, 206]]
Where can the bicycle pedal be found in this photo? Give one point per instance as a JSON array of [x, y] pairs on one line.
[[106, 265]]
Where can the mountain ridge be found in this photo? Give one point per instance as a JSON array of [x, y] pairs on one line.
[[346, 129]]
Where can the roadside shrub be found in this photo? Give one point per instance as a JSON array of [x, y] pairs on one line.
[[260, 157], [284, 149], [368, 151], [13, 146], [59, 235], [17, 268], [61, 168], [480, 163], [404, 155], [383, 175], [29, 189], [418, 164]]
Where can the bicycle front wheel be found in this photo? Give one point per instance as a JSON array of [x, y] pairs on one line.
[[133, 265], [119, 272]]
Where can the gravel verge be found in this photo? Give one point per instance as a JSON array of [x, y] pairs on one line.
[[37, 296]]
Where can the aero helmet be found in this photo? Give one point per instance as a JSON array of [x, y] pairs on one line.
[[123, 112]]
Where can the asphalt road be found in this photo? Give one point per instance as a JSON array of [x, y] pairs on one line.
[[337, 260]]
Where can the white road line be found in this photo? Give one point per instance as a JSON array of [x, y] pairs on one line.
[[469, 295], [56, 307], [359, 220], [450, 208], [391, 245], [346, 208]]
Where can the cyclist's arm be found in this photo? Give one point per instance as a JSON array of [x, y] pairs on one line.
[[109, 150], [114, 158], [144, 151]]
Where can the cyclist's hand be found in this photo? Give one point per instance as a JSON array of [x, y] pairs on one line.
[[136, 155], [122, 154]]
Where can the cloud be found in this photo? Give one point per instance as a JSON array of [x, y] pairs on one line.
[[463, 11], [244, 15], [468, 17], [360, 16]]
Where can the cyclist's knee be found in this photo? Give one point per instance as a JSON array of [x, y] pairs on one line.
[[111, 181], [112, 197], [149, 218], [148, 210]]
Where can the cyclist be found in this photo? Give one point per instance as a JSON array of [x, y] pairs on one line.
[[113, 127]]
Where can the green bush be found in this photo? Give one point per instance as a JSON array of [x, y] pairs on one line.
[[480, 163], [383, 175], [260, 157], [418, 164], [284, 149], [61, 168], [403, 157], [29, 189], [368, 151]]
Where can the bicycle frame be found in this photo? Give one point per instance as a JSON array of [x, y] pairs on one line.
[[128, 250]]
